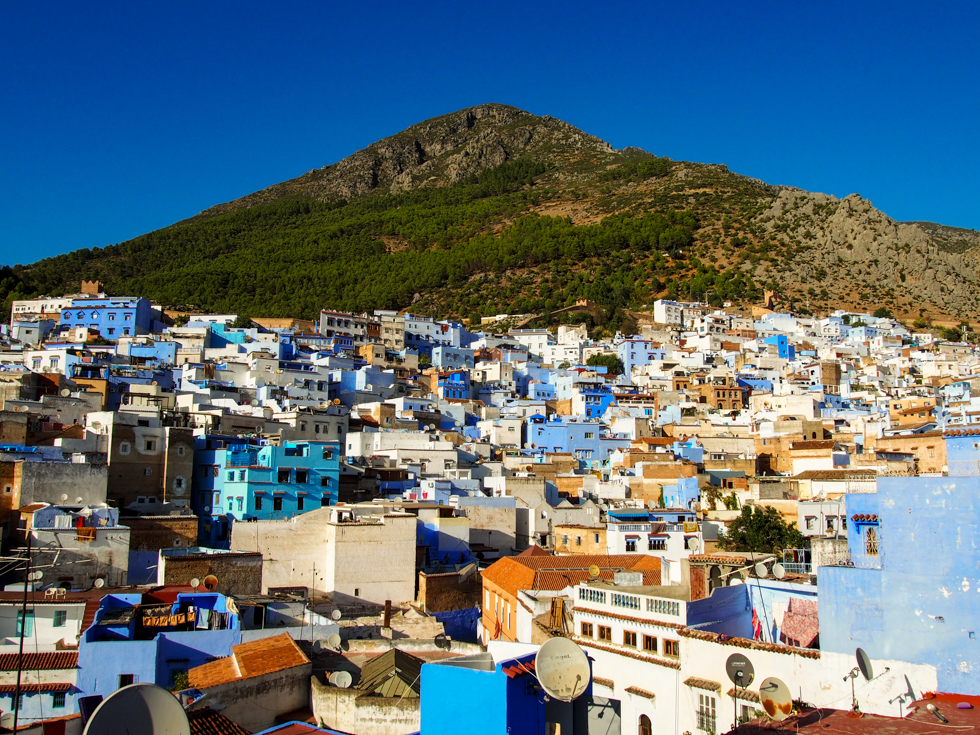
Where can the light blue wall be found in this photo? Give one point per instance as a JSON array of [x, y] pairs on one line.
[[918, 600], [457, 700], [727, 610]]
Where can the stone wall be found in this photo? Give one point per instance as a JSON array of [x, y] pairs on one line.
[[451, 591], [349, 710], [237, 573]]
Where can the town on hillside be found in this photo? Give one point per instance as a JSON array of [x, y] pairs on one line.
[[737, 520]]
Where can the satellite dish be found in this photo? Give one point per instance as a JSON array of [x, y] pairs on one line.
[[96, 425], [864, 663], [7, 720], [776, 699], [64, 497], [594, 571], [142, 708], [99, 583], [443, 642], [778, 570], [333, 640], [456, 424], [740, 670], [341, 679], [317, 646], [760, 570], [735, 581], [527, 445], [694, 545], [336, 401], [195, 583], [253, 402], [336, 614], [479, 628], [432, 427], [78, 499], [562, 669], [65, 392], [210, 583]]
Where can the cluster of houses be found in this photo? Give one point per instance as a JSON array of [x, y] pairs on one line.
[[341, 525]]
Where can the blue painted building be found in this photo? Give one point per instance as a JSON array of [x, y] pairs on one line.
[[153, 637], [639, 352], [111, 317], [235, 481], [582, 438], [454, 384], [783, 348], [913, 590], [483, 695], [452, 358]]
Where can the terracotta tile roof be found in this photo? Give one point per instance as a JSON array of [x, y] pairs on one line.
[[641, 692], [961, 432], [693, 681], [256, 658], [51, 686], [814, 444], [534, 551], [36, 661], [608, 683], [208, 722], [746, 643], [746, 694], [513, 573], [718, 559], [32, 507], [589, 643]]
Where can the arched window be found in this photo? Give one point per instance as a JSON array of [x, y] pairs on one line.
[[645, 728]]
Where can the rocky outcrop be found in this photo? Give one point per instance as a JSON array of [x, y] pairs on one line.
[[436, 152]]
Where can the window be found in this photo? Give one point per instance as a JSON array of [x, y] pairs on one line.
[[60, 616], [672, 648], [277, 503], [811, 522], [587, 630], [181, 451], [596, 537], [631, 544], [230, 504], [328, 454], [650, 643], [124, 447], [111, 330], [357, 592], [148, 471], [283, 476], [258, 503], [605, 633], [150, 445], [871, 541], [27, 630], [205, 471], [656, 544], [706, 713], [629, 638], [644, 727], [240, 503], [590, 435], [231, 477], [241, 475], [324, 501], [20, 702], [564, 540], [302, 475], [578, 540], [324, 482], [178, 483], [299, 503], [53, 362], [58, 700], [125, 680]]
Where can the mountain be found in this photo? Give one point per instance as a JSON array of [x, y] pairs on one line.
[[493, 209]]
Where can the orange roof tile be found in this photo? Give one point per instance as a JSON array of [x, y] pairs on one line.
[[513, 573], [256, 658], [36, 661]]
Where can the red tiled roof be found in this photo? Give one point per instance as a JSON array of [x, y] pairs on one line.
[[814, 444], [641, 692], [36, 661], [515, 670], [51, 686], [746, 643], [835, 475], [256, 658], [534, 551], [608, 683], [208, 722], [961, 432], [513, 573], [697, 683]]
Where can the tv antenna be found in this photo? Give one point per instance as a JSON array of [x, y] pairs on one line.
[[741, 673], [562, 669], [143, 708], [776, 699], [866, 670]]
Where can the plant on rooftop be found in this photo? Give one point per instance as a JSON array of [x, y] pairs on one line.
[[761, 530]]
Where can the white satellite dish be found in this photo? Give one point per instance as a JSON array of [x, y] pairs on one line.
[[778, 570], [143, 708], [776, 699], [760, 570], [336, 614], [341, 679], [694, 545], [333, 640], [735, 581], [99, 583], [562, 669], [65, 392], [195, 583], [7, 720], [78, 499], [479, 629], [64, 497]]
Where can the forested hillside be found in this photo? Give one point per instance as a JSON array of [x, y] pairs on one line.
[[494, 210]]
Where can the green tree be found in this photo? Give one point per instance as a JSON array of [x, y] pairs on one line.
[[611, 362], [761, 530], [181, 320], [951, 334], [882, 313], [242, 321]]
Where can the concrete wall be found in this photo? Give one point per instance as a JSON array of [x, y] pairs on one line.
[[254, 703], [373, 560], [68, 560], [917, 600], [237, 573], [493, 521], [348, 710]]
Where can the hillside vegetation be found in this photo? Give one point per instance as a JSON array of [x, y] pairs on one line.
[[493, 209]]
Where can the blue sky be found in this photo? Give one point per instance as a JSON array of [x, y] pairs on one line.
[[120, 118]]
